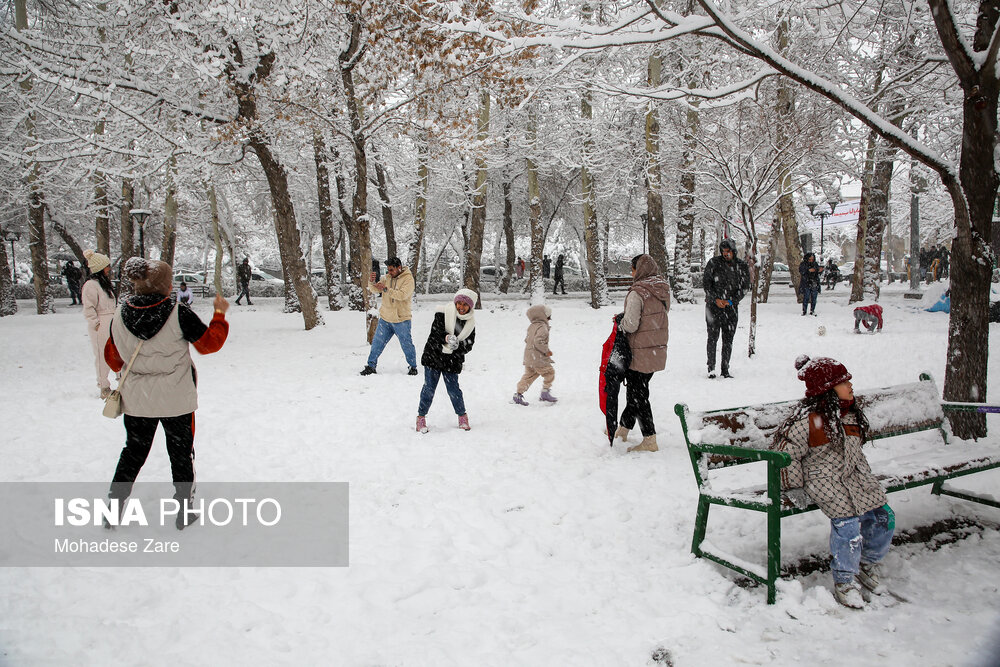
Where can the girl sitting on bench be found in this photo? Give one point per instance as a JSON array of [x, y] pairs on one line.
[[824, 437]]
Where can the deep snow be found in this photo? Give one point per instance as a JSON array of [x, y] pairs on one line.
[[525, 541]]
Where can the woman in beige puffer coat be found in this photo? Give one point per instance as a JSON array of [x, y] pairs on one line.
[[537, 356], [99, 303]]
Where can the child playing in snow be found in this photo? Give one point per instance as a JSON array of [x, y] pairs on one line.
[[452, 335], [870, 316], [824, 438], [537, 355]]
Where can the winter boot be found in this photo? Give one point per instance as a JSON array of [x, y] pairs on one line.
[[849, 595], [870, 577], [648, 444], [711, 373], [622, 433], [726, 374], [185, 516], [412, 371], [367, 370], [463, 422], [519, 399], [421, 424], [547, 396]]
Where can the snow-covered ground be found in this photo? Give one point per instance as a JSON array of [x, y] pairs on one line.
[[527, 541]]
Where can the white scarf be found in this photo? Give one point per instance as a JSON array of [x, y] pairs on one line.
[[451, 314]]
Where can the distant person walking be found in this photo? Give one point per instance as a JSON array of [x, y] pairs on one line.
[[73, 276], [395, 316], [453, 333], [546, 267], [645, 324], [519, 268], [809, 282], [161, 384], [559, 279], [726, 281], [243, 275], [99, 301], [831, 274]]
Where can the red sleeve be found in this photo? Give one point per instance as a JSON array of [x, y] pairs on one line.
[[111, 355], [215, 336]]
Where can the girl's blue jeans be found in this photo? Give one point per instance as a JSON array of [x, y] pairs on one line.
[[431, 377], [859, 539]]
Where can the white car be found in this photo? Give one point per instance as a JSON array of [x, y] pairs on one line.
[[258, 275], [780, 275]]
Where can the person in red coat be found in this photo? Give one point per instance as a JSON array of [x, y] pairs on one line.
[[870, 316]]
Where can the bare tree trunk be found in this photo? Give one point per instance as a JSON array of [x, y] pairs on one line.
[[326, 220], [768, 264], [383, 195], [213, 204], [39, 253], [681, 278], [289, 241], [877, 215], [102, 227], [508, 235], [595, 267], [358, 227], [477, 224], [127, 235], [536, 284], [420, 203], [8, 304], [653, 179], [170, 215]]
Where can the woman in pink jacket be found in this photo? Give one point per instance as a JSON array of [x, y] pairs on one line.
[[99, 303]]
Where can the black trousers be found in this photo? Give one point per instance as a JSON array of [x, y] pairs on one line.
[[559, 281], [724, 321], [244, 292], [139, 432], [637, 406]]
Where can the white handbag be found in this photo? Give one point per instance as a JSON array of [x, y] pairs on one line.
[[113, 403]]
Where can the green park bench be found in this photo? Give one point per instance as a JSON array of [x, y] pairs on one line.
[[719, 439]]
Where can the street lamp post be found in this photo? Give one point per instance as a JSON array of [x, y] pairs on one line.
[[12, 234], [822, 215], [139, 215]]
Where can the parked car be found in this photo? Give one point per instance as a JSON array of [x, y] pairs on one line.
[[780, 275], [258, 275], [491, 273], [192, 278]]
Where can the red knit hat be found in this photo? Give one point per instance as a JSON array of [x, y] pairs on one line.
[[821, 374]]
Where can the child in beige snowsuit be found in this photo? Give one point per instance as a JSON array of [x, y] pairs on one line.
[[537, 355]]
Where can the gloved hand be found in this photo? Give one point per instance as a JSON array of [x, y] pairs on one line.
[[799, 497], [451, 340]]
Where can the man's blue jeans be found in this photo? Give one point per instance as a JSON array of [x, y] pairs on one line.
[[857, 539], [431, 377], [809, 295], [387, 330]]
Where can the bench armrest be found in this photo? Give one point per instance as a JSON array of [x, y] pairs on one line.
[[781, 459]]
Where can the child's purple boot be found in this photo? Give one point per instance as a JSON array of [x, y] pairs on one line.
[[547, 396], [519, 399]]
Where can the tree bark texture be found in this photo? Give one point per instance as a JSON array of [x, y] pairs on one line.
[[39, 253], [591, 236], [536, 284], [682, 285], [102, 226], [653, 177], [8, 304], [420, 203], [508, 235], [326, 232], [477, 223], [170, 215], [383, 195]]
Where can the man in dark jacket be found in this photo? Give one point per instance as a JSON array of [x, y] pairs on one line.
[[809, 282], [243, 275], [726, 281], [73, 276]]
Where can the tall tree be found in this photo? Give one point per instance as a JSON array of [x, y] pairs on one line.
[[477, 221]]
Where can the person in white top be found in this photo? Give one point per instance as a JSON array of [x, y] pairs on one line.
[[99, 303], [185, 295]]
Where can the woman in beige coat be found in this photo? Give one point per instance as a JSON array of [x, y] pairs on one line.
[[99, 303]]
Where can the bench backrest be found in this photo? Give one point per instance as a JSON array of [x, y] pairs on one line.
[[896, 410]]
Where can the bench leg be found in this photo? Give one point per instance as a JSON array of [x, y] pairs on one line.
[[773, 553], [700, 525]]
